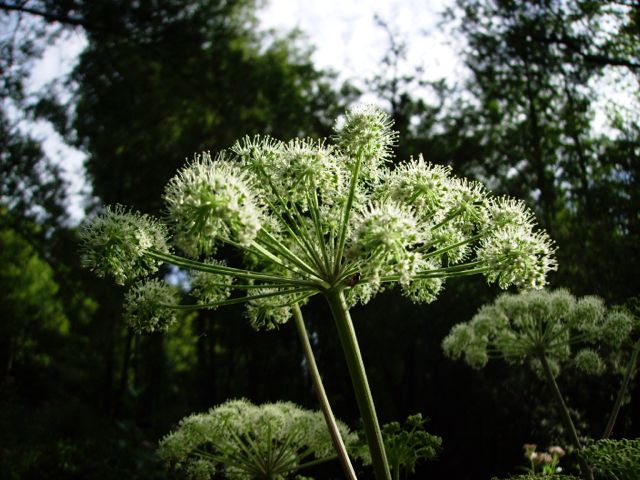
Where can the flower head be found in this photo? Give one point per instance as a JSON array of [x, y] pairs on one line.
[[365, 132], [537, 322], [148, 306], [424, 186], [211, 200], [239, 440], [270, 311], [114, 243], [382, 236], [210, 288], [556, 451], [518, 256]]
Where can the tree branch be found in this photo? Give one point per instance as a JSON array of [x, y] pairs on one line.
[[52, 17]]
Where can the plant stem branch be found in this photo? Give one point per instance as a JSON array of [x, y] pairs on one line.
[[623, 388], [564, 413], [322, 395], [342, 235], [349, 342]]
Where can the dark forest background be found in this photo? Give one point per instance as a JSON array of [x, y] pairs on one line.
[[82, 397]]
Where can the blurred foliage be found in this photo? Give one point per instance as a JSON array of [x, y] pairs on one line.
[[540, 476], [29, 306]]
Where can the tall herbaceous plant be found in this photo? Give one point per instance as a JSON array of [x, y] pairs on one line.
[[317, 217]]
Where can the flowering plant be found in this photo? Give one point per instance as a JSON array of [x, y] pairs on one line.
[[312, 218], [240, 440], [549, 330], [546, 462]]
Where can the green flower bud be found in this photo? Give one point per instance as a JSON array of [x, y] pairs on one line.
[[588, 315], [458, 340], [148, 306], [485, 321], [476, 355], [561, 303], [114, 243]]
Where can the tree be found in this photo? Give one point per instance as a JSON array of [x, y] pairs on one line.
[[28, 302], [533, 66], [159, 80]]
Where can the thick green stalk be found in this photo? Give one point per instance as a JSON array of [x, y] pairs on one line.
[[623, 388], [325, 406], [564, 413], [349, 343]]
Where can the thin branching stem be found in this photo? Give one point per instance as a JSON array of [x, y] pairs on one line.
[[631, 366], [228, 271], [325, 406], [234, 301], [342, 235]]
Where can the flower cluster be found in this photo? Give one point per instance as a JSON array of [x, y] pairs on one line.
[[210, 201], [545, 462], [309, 216], [148, 306], [239, 440], [407, 445], [210, 288], [365, 135], [115, 242], [554, 324]]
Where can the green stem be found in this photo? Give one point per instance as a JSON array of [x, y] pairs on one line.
[[396, 470], [342, 234], [232, 301], [349, 342], [623, 388], [222, 270], [325, 406], [564, 413], [312, 463]]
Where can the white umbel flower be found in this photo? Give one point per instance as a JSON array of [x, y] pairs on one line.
[[148, 306], [517, 256], [212, 200], [114, 244], [365, 132]]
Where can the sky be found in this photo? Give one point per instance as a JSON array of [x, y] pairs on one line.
[[347, 39]]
